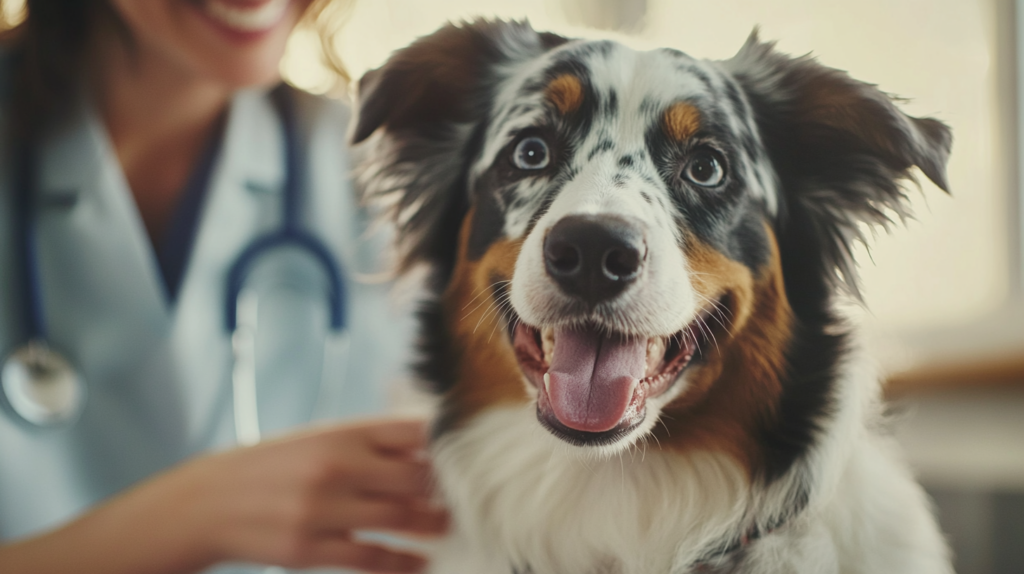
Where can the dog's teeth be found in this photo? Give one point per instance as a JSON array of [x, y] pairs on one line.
[[547, 341], [655, 352], [547, 383]]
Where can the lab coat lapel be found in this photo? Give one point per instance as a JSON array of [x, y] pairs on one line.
[[100, 282], [106, 311]]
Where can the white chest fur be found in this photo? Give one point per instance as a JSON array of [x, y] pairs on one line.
[[520, 497], [524, 501]]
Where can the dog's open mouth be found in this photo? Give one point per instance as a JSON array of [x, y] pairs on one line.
[[592, 385]]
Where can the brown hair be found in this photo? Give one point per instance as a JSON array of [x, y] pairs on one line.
[[45, 42]]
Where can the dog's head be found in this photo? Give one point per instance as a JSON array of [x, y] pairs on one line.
[[625, 238]]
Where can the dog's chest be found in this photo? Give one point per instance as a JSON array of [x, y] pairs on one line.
[[524, 502]]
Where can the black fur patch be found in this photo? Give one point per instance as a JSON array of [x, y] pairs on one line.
[[601, 147], [610, 105], [835, 172], [438, 363], [488, 218]]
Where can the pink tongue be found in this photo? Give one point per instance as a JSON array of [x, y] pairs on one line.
[[593, 378]]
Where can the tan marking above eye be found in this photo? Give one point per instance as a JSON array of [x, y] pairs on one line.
[[566, 93], [681, 120]]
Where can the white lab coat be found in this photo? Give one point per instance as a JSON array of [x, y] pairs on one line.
[[158, 375]]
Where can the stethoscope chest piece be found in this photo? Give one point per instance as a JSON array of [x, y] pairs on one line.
[[41, 386]]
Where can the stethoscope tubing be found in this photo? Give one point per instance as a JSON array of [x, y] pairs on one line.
[[239, 271], [289, 234], [34, 317], [38, 386]]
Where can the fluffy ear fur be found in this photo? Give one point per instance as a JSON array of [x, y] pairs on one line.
[[840, 148], [427, 105]]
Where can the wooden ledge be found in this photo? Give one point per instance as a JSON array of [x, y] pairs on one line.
[[991, 372]]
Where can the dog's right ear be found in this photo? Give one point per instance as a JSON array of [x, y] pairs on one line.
[[841, 149], [432, 81], [426, 106]]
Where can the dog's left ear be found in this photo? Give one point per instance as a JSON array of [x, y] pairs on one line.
[[840, 148], [427, 105]]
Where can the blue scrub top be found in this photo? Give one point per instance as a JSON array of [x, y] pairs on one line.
[[158, 370]]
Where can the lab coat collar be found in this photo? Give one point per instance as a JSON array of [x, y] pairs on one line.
[[81, 178], [85, 210]]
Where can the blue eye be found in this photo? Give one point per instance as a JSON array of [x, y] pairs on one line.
[[704, 169], [531, 153]]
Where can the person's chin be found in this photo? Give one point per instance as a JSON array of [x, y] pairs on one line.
[[247, 72]]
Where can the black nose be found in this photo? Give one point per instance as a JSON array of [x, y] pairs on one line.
[[594, 257]]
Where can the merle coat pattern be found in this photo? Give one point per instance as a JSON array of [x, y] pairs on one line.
[[729, 423]]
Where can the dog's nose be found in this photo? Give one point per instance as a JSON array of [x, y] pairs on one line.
[[594, 257]]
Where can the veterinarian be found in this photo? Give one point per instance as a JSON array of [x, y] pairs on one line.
[[161, 150]]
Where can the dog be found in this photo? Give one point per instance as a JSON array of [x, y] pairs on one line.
[[634, 259]]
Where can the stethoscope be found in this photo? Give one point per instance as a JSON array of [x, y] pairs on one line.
[[43, 389]]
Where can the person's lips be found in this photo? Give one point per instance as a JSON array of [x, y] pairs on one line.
[[246, 16]]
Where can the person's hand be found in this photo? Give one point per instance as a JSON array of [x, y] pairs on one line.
[[293, 502]]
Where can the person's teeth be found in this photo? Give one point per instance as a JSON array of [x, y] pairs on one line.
[[547, 341], [247, 19]]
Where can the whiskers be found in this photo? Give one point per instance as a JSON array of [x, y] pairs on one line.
[[503, 304], [716, 311], [481, 292], [499, 310]]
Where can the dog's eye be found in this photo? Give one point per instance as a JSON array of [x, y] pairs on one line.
[[705, 169], [531, 153]]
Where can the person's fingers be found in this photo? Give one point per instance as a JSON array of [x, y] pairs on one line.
[[342, 551], [330, 472], [397, 435], [396, 477], [398, 514], [400, 437]]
